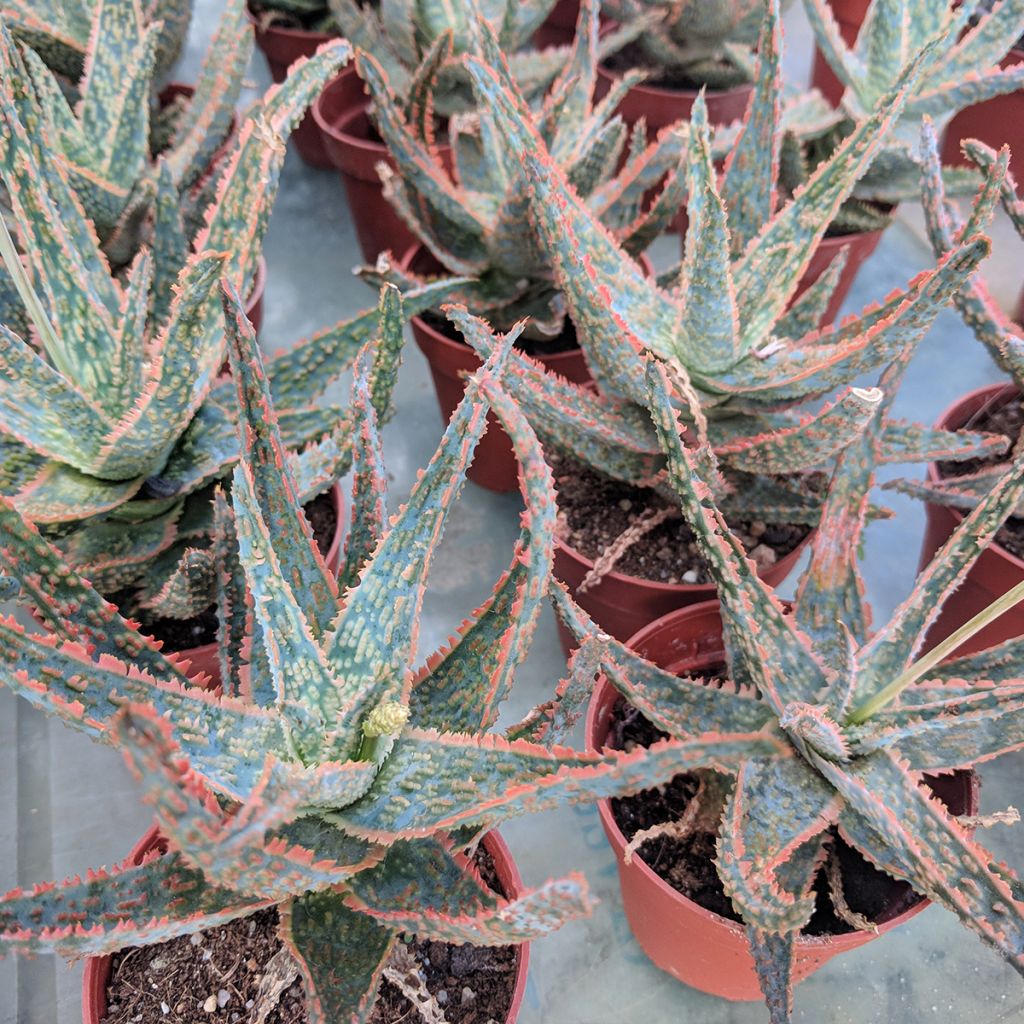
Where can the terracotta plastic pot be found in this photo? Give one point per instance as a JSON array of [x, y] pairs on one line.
[[97, 968], [282, 47], [204, 658], [494, 463], [621, 605], [354, 148], [694, 945], [996, 122], [996, 571], [849, 15]]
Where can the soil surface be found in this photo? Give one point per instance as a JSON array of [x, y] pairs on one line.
[[632, 57], [687, 864], [314, 21], [594, 510], [1007, 419], [222, 969], [564, 342], [182, 634]]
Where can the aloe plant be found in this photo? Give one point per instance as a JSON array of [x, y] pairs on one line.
[[106, 139], [474, 219], [862, 716], [729, 321], [401, 35], [693, 43], [113, 422], [965, 71], [332, 779], [59, 30], [980, 311]]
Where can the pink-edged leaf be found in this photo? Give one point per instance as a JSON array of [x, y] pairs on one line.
[[266, 467], [502, 779], [244, 851], [341, 955], [775, 809], [106, 911], [371, 649], [907, 832]]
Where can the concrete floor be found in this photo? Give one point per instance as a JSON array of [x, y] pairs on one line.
[[68, 805]]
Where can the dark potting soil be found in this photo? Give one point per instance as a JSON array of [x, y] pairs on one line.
[[1006, 419], [182, 634], [632, 57], [594, 510], [223, 967], [564, 342], [313, 21], [688, 864]]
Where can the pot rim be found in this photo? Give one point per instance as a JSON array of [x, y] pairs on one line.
[[948, 420], [337, 129], [602, 692]]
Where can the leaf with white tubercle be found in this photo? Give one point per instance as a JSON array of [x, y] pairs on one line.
[[340, 953], [87, 694], [779, 652], [56, 593], [801, 224], [369, 650], [530, 915], [775, 807], [243, 851], [889, 813], [1002, 662], [106, 911], [685, 707], [274, 489], [462, 688], [751, 170], [504, 779], [991, 326], [207, 119], [820, 361], [957, 731]]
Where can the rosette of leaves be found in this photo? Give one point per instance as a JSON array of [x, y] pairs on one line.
[[979, 310], [123, 154], [474, 219], [863, 716], [403, 34], [693, 43], [970, 43], [333, 778], [748, 361], [59, 30], [114, 423]]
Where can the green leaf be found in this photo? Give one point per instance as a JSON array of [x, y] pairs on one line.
[[107, 911], [371, 648], [503, 779], [340, 954], [775, 809], [751, 169], [271, 488]]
